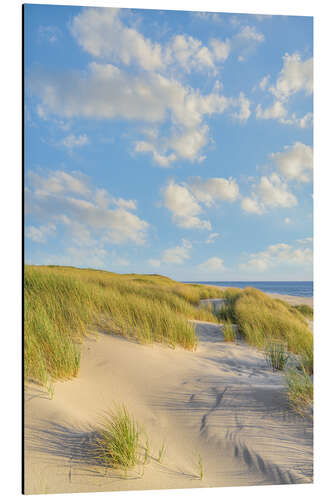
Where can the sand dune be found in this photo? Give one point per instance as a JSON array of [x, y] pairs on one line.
[[221, 401]]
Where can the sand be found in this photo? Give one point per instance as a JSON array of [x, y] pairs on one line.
[[221, 401]]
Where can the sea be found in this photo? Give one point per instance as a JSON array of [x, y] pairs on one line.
[[295, 288]]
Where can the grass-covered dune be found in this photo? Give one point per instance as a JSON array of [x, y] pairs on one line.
[[65, 304], [262, 319], [62, 304]]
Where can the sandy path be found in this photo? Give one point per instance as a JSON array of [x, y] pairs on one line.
[[221, 401]]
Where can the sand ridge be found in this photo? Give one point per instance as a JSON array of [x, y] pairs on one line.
[[221, 401]]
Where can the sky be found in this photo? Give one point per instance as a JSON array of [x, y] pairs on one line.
[[169, 142]]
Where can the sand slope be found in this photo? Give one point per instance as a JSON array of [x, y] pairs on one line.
[[221, 401]]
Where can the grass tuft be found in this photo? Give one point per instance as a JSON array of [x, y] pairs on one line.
[[229, 333], [276, 354], [119, 440], [161, 453], [300, 389]]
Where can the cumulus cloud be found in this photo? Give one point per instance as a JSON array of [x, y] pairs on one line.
[[244, 109], [83, 210], [215, 189], [245, 41], [270, 192], [184, 200], [252, 205], [109, 88], [212, 264], [276, 112], [296, 75], [295, 162], [278, 254], [178, 254], [101, 33], [221, 49], [250, 33], [184, 207], [274, 192], [107, 92]]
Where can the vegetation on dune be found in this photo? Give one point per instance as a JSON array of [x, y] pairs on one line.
[[300, 389], [280, 329], [263, 320], [276, 354], [119, 439], [62, 304]]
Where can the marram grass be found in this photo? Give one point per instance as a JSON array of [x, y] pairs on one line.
[[63, 304], [263, 320], [119, 439]]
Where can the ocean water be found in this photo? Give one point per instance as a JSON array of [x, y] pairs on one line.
[[295, 288]]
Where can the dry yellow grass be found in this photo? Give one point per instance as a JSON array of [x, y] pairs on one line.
[[62, 304]]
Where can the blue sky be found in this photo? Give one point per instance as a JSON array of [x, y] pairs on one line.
[[169, 142]]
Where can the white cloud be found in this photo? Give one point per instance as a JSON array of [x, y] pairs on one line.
[[41, 233], [279, 112], [184, 207], [277, 255], [104, 34], [296, 75], [178, 254], [296, 162], [107, 92], [83, 210], [212, 264], [149, 94], [189, 143], [189, 53], [72, 141], [252, 205], [250, 33], [276, 112], [215, 189], [244, 108], [59, 182], [274, 192], [101, 33], [211, 238], [221, 49]]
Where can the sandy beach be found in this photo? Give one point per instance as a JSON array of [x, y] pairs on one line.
[[221, 401]]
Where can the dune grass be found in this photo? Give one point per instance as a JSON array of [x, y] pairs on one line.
[[119, 439], [262, 319], [304, 309], [63, 304], [229, 333], [276, 354], [300, 389]]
